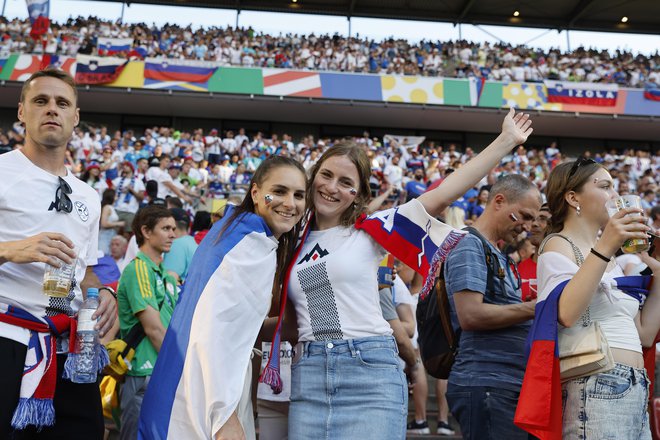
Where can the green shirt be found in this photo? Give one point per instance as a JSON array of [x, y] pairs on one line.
[[144, 283]]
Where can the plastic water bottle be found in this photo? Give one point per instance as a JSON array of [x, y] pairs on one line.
[[87, 340]]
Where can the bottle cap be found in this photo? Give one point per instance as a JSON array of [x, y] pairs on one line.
[[92, 292]]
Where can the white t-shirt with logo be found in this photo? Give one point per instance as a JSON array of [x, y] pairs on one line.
[[26, 193], [334, 286], [126, 201]]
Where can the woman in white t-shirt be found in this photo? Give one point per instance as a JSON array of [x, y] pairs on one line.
[[110, 222], [346, 378], [611, 404]]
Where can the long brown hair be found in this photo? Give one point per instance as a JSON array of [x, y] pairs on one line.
[[562, 179], [359, 158], [287, 241]]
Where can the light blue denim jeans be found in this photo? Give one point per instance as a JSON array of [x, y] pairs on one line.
[[348, 389], [607, 406]]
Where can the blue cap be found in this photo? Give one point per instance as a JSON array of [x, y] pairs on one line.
[[471, 193], [92, 292]]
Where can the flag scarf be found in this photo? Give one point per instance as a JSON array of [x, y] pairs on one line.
[[582, 93], [652, 94], [539, 410], [198, 379], [410, 234], [98, 70], [111, 46], [178, 70], [35, 405]]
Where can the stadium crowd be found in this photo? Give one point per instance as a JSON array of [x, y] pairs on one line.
[[206, 165], [247, 47], [195, 174]]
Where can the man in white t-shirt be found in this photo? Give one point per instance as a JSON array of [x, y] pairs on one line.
[[130, 192], [46, 216], [394, 173], [166, 186]]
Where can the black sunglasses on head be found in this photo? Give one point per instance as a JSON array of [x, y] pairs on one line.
[[62, 201], [578, 163]]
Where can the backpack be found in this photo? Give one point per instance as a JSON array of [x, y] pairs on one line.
[[438, 342]]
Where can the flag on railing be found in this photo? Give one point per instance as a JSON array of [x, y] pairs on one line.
[[476, 89], [582, 93], [4, 56], [652, 94], [98, 70], [178, 70], [111, 46]]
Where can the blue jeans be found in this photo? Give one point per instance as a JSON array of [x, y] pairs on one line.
[[345, 389], [485, 413], [607, 406]]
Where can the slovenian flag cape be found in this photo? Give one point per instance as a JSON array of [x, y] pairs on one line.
[[539, 410], [410, 234], [198, 379]]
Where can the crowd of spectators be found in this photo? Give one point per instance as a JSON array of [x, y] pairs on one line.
[[199, 166], [188, 171], [246, 47]]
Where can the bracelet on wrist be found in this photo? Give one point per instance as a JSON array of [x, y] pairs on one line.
[[599, 255], [109, 289]]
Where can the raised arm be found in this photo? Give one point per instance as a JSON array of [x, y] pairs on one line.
[[516, 128]]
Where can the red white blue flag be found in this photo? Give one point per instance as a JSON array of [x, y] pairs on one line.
[[38, 8], [582, 93], [410, 234], [112, 46], [166, 69], [98, 70], [198, 380], [652, 94], [539, 410]]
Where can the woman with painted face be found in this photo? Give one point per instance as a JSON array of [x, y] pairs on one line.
[[346, 378], [199, 377], [578, 275]]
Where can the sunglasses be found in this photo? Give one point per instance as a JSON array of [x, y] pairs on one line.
[[578, 163], [62, 201]]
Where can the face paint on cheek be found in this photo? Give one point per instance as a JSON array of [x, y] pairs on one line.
[[353, 191], [268, 199]]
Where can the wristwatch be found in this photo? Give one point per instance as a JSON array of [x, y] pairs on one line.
[[109, 289]]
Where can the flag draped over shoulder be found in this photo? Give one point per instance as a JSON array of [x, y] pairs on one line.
[[410, 234], [198, 378], [539, 410]]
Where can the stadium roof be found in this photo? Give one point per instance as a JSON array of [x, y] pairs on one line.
[[642, 16]]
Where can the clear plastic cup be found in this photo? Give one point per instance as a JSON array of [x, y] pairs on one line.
[[633, 245], [58, 280]]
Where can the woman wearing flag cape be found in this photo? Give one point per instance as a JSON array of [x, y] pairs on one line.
[[198, 379], [578, 279], [346, 378]]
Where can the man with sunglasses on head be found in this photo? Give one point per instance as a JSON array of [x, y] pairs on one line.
[[47, 217], [483, 287]]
